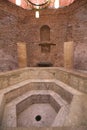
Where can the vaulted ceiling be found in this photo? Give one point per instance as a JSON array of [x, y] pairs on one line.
[[61, 3]]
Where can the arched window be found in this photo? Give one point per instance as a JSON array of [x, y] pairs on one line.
[[45, 33]]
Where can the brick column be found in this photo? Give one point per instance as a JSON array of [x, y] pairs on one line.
[[68, 54], [22, 54]]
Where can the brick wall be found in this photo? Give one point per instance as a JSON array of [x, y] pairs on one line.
[[78, 21], [19, 25]]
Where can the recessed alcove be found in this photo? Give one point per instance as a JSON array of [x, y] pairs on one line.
[[45, 41], [45, 33]]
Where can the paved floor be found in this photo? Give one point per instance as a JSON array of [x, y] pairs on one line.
[[37, 115]]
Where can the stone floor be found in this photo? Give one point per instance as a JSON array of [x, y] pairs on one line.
[[37, 115]]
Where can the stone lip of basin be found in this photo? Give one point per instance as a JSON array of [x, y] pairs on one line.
[[19, 104]]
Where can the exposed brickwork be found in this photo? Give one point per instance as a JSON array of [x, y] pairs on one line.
[[66, 24], [78, 21]]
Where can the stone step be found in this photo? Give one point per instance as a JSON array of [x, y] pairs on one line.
[[20, 88]]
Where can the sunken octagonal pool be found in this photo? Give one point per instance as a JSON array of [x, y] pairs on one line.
[[37, 104], [39, 109]]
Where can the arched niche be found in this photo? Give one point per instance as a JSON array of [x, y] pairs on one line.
[[45, 33]]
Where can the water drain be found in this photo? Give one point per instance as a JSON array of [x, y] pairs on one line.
[[38, 118]]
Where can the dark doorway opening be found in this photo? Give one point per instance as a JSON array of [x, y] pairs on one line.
[[44, 64]]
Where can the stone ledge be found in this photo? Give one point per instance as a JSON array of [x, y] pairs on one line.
[[77, 80], [46, 128]]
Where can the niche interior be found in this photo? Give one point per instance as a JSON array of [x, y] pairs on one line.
[[45, 42]]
